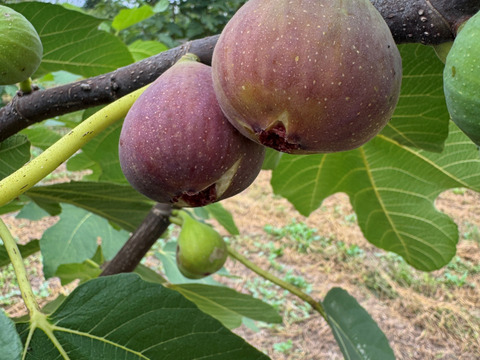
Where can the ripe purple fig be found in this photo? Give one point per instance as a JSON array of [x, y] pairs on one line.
[[177, 147], [312, 76]]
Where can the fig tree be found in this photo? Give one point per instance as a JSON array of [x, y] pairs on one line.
[[20, 47], [311, 76], [461, 79], [177, 147], [201, 251]]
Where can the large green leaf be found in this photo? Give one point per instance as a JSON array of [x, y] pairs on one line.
[[118, 203], [74, 238], [421, 117], [228, 305], [357, 334], [14, 152], [101, 156], [124, 317], [25, 250], [72, 41], [392, 189], [10, 344]]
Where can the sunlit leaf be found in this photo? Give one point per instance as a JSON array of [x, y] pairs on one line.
[[128, 17]]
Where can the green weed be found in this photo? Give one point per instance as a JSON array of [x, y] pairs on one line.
[[472, 232], [299, 233], [283, 347]]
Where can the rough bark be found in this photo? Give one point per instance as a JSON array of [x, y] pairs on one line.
[[410, 21], [132, 252]]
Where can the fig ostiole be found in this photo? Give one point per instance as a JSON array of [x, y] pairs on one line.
[[312, 76], [201, 251], [21, 49], [177, 147], [461, 79]]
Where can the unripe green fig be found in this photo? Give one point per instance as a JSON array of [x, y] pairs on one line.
[[461, 79], [201, 251], [20, 47], [307, 76], [177, 147]]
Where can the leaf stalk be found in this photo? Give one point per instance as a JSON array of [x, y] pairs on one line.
[[316, 305]]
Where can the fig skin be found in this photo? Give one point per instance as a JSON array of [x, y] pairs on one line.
[[201, 251], [313, 76], [461, 79], [20, 47], [177, 147]]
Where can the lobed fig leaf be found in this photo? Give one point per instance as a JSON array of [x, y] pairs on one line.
[[177, 147], [20, 47], [461, 79], [312, 76], [201, 251]]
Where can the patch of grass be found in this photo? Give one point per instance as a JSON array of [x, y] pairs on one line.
[[9, 289], [472, 232], [352, 250], [300, 234], [283, 347]]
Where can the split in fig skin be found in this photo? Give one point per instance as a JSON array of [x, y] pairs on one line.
[[312, 76], [176, 146]]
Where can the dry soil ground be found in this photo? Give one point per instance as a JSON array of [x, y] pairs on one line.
[[424, 315]]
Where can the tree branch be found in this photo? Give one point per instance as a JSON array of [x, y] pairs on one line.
[[132, 252], [429, 22], [415, 21]]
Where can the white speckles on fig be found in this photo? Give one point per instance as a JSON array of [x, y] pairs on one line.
[[185, 152], [298, 65]]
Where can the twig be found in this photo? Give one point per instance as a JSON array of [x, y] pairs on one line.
[[132, 252]]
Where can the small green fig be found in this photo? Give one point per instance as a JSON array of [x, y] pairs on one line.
[[312, 76], [20, 47], [201, 251], [461, 79]]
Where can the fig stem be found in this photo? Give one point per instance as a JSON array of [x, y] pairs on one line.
[[188, 57], [19, 269], [32, 172], [38, 320], [316, 305], [177, 220], [26, 86]]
